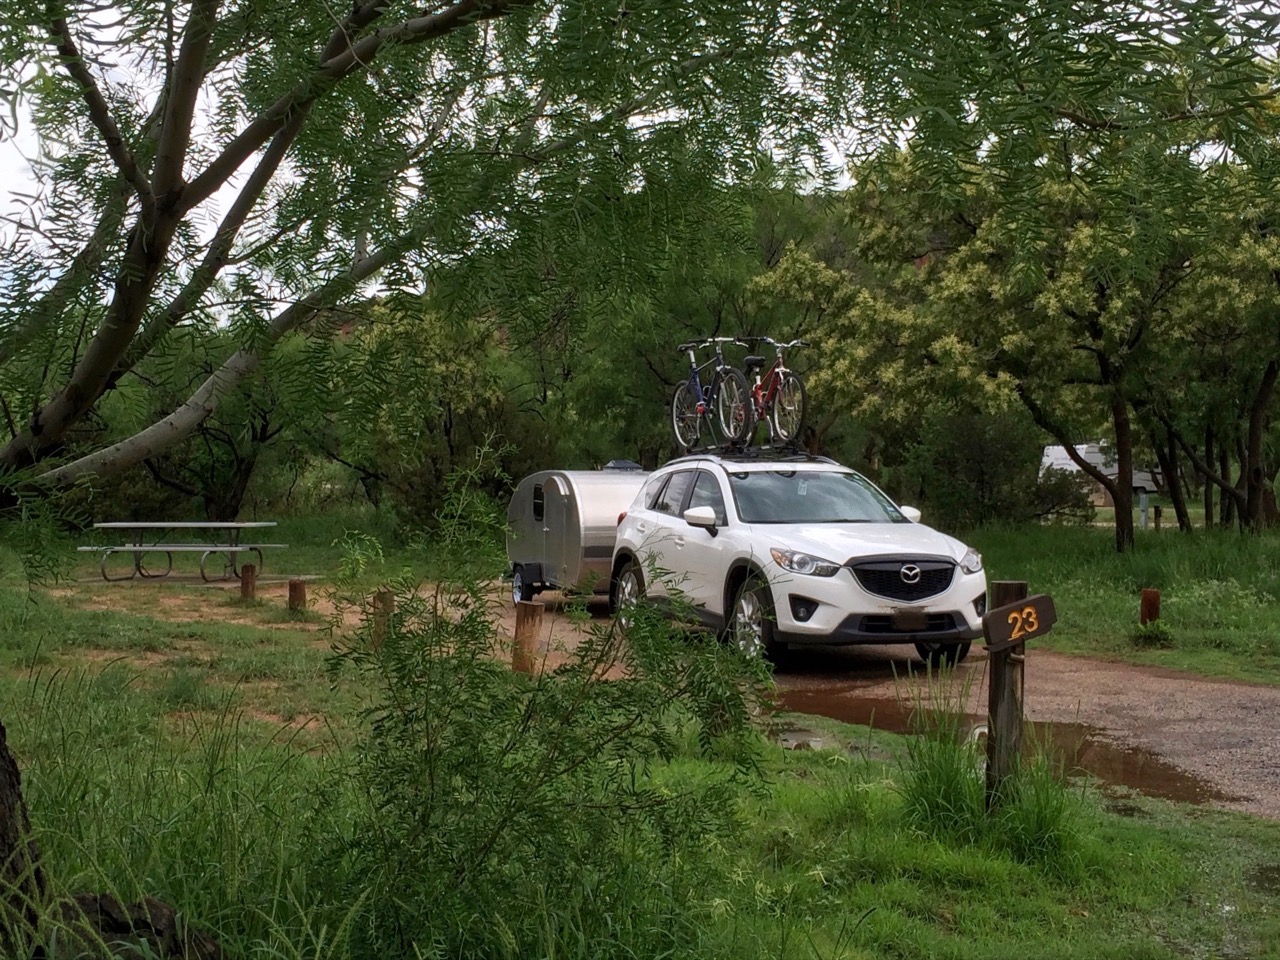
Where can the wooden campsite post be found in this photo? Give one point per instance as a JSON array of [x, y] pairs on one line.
[[1150, 607], [528, 631], [248, 581], [1013, 619], [384, 605], [297, 595], [1004, 698]]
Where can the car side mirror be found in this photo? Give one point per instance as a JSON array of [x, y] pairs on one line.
[[911, 513], [704, 517]]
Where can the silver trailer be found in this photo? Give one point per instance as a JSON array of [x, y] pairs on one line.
[[561, 527]]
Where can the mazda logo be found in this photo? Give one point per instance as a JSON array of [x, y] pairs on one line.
[[909, 573]]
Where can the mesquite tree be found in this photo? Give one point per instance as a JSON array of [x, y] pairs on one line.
[[233, 162]]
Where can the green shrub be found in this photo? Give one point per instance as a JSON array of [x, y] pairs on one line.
[[1155, 634]]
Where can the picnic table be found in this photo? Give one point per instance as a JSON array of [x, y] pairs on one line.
[[216, 538]]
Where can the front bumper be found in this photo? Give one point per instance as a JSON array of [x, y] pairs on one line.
[[838, 611]]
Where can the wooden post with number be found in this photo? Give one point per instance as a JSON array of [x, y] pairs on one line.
[[528, 630], [1004, 699]]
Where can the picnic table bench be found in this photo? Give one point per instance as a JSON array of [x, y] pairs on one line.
[[217, 538]]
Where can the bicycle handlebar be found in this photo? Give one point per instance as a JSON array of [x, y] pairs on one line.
[[745, 341], [705, 341]]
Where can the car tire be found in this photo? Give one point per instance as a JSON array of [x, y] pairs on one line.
[[521, 589], [750, 626], [627, 590], [942, 654]]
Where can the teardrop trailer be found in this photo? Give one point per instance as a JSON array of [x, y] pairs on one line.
[[561, 526]]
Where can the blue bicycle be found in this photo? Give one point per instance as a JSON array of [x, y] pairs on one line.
[[725, 403]]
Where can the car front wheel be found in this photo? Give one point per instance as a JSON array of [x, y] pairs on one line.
[[751, 627], [942, 654]]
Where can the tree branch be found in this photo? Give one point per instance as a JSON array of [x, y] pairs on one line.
[[180, 97], [352, 58], [99, 112]]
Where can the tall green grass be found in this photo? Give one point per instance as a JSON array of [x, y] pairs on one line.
[[1219, 593]]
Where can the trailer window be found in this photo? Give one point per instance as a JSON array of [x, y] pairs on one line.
[[538, 502]]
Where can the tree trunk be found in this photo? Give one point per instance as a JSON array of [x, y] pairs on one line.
[[1167, 454], [1122, 495], [25, 889], [1252, 468], [1208, 486], [223, 503], [1227, 509]]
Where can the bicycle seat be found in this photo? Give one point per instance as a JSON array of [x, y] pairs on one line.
[[753, 363]]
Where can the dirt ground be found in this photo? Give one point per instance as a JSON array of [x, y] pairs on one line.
[[1160, 731]]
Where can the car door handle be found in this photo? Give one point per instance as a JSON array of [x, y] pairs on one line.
[[641, 528], [679, 542]]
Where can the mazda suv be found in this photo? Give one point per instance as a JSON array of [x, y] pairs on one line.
[[780, 552]]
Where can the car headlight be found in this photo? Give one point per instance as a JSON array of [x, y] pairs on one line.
[[796, 562], [971, 562]]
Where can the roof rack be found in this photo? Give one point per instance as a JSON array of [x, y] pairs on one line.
[[789, 452]]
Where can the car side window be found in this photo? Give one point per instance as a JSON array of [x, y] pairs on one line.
[[672, 496], [649, 496], [706, 493]]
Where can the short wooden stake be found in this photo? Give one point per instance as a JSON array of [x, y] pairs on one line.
[[297, 595], [528, 632], [384, 605], [1150, 607], [1004, 699], [1158, 512], [248, 582]]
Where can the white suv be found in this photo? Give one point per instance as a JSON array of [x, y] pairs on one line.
[[786, 551]]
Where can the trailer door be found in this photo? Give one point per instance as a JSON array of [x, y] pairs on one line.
[[561, 532]]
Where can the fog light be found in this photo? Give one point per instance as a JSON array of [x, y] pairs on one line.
[[980, 604], [802, 608]]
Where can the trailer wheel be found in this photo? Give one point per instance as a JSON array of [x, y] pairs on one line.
[[521, 589]]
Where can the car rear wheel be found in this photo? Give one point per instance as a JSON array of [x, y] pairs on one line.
[[942, 654], [628, 591], [751, 627]]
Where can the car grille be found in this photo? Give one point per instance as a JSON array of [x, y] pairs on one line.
[[884, 577], [934, 623]]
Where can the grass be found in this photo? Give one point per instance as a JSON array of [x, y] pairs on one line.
[[1219, 595], [207, 762]]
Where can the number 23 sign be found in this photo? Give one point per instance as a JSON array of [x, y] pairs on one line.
[[1016, 623]]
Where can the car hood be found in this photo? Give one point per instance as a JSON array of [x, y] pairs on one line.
[[840, 542]]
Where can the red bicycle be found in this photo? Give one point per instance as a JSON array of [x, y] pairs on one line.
[[778, 394]]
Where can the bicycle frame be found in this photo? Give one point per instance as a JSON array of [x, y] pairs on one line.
[[706, 395]]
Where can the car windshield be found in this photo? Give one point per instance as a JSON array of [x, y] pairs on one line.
[[810, 496]]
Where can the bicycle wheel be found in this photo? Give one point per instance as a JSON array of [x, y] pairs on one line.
[[734, 406], [685, 419], [788, 409]]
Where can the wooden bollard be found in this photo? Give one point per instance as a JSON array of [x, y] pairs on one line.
[[384, 605], [528, 632], [1159, 511], [1004, 699], [297, 595], [1150, 607], [248, 582]]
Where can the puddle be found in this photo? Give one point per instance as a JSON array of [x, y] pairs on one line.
[[1265, 878], [1075, 747]]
